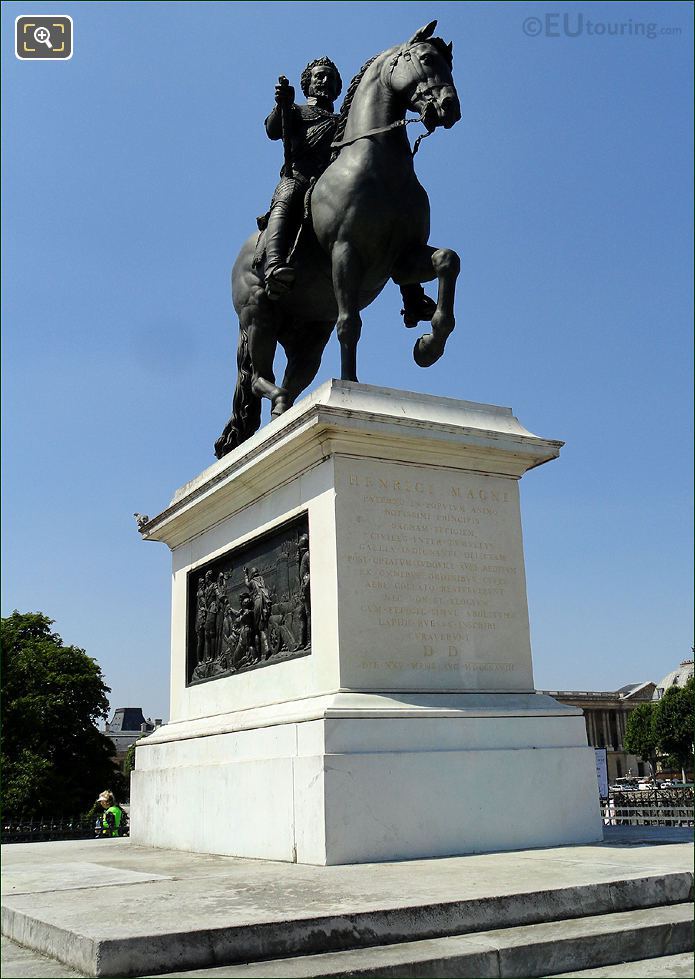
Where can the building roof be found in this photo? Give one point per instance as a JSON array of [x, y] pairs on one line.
[[631, 691], [634, 689], [128, 719], [676, 678]]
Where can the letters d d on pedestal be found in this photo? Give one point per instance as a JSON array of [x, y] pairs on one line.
[[365, 690]]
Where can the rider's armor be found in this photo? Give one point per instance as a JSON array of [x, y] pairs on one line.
[[311, 132]]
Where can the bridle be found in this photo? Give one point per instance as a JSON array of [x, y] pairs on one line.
[[423, 88]]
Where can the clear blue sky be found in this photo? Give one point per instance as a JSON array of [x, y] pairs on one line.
[[133, 172]]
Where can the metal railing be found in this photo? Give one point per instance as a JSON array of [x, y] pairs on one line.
[[672, 806], [39, 829], [645, 815]]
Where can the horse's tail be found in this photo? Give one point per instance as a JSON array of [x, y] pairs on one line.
[[246, 405]]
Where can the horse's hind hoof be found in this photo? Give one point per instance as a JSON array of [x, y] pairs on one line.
[[225, 443], [280, 406], [427, 351]]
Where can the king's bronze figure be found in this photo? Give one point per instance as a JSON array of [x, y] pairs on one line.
[[307, 132]]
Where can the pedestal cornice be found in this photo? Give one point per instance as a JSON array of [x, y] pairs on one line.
[[362, 421]]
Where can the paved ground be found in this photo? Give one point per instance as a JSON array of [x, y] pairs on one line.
[[38, 875], [652, 835], [110, 889], [669, 967], [23, 963]]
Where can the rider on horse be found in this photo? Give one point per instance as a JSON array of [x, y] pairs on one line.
[[307, 132]]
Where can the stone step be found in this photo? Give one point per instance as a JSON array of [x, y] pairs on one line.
[[129, 945], [22, 963], [542, 949], [665, 967], [122, 910]]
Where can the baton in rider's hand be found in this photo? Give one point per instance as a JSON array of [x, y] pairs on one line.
[[284, 96]]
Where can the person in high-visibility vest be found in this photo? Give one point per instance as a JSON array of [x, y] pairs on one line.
[[113, 815]]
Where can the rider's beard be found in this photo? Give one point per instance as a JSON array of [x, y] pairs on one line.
[[322, 98]]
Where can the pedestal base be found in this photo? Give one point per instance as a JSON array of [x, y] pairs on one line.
[[354, 778], [398, 720]]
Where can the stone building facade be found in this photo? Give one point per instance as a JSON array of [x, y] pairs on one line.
[[605, 716], [606, 713]]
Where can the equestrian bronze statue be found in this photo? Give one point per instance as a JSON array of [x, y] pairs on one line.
[[338, 231]]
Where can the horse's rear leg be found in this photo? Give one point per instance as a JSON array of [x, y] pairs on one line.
[[262, 340], [246, 404], [347, 276], [424, 265], [304, 348]]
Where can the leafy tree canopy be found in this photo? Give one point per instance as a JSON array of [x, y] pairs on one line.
[[640, 732], [675, 722], [129, 761], [664, 727], [53, 757]]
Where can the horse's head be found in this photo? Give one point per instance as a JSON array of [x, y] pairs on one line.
[[420, 71]]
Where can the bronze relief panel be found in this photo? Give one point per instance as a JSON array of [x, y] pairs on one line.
[[250, 607]]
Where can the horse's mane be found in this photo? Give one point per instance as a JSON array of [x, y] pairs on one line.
[[347, 102], [437, 42]]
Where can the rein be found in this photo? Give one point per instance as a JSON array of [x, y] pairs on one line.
[[399, 123], [407, 55]]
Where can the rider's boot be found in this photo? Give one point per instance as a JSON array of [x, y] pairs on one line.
[[279, 276], [417, 305]]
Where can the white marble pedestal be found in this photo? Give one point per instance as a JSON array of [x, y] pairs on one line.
[[412, 729]]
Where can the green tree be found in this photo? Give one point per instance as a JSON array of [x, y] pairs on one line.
[[674, 724], [640, 733], [53, 756], [128, 768], [129, 760]]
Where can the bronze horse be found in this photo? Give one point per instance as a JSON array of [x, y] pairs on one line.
[[369, 222]]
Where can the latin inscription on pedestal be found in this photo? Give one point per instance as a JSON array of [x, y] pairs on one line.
[[431, 581], [250, 607]]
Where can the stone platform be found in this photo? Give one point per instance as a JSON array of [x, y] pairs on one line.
[[111, 908], [401, 719]]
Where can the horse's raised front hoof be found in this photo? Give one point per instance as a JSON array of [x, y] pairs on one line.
[[427, 350]]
